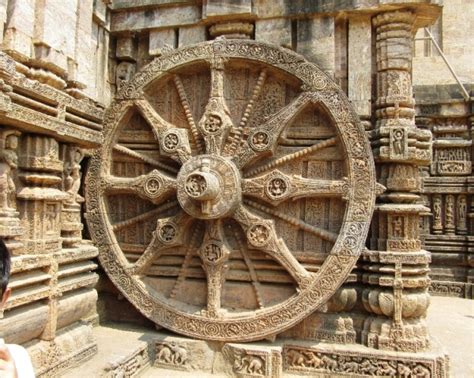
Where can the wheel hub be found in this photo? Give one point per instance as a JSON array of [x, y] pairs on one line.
[[209, 187]]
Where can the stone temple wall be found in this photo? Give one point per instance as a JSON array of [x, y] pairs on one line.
[[63, 61], [446, 111], [53, 75]]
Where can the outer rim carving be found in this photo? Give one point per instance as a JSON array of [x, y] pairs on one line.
[[251, 326]]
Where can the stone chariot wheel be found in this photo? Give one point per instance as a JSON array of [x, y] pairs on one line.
[[233, 192]]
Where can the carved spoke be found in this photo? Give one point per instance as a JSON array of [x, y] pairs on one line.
[[154, 186], [127, 151], [174, 143], [263, 139], [188, 113], [143, 217], [169, 233], [253, 274], [157, 123], [323, 234], [237, 132], [216, 123], [276, 187], [261, 234], [214, 254], [294, 156]]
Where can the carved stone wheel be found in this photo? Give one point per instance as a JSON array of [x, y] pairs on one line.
[[233, 192]]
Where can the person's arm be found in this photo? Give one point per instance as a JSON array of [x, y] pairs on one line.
[[22, 361], [7, 364]]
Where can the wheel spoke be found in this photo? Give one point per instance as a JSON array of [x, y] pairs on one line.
[[169, 233], [190, 252], [323, 234], [253, 274], [261, 234], [137, 155], [236, 137], [277, 187], [263, 139], [174, 141], [216, 123], [154, 186], [214, 254], [156, 122], [144, 216], [188, 113], [294, 156]]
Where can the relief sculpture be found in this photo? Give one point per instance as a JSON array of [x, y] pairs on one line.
[[8, 164]]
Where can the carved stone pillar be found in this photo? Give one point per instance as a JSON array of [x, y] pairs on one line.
[[396, 270], [40, 199], [10, 228]]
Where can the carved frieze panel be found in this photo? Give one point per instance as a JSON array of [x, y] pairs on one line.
[[245, 199]]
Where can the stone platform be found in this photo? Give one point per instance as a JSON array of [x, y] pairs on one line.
[[126, 350]]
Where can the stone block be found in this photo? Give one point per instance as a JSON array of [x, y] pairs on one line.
[[19, 28], [159, 39], [276, 31], [126, 48], [49, 15], [360, 65], [100, 11], [316, 41], [155, 18], [191, 35], [219, 8]]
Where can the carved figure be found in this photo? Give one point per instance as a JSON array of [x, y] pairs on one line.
[[449, 212], [72, 169], [296, 358], [437, 225], [164, 354], [123, 73], [329, 363], [368, 367], [398, 141], [248, 364], [385, 369], [180, 354], [421, 372], [397, 226], [8, 163], [312, 360], [462, 209]]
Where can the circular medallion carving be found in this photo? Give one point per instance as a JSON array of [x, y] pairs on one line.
[[230, 201], [167, 233], [152, 186], [259, 140], [277, 187], [171, 142], [258, 235], [213, 124]]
